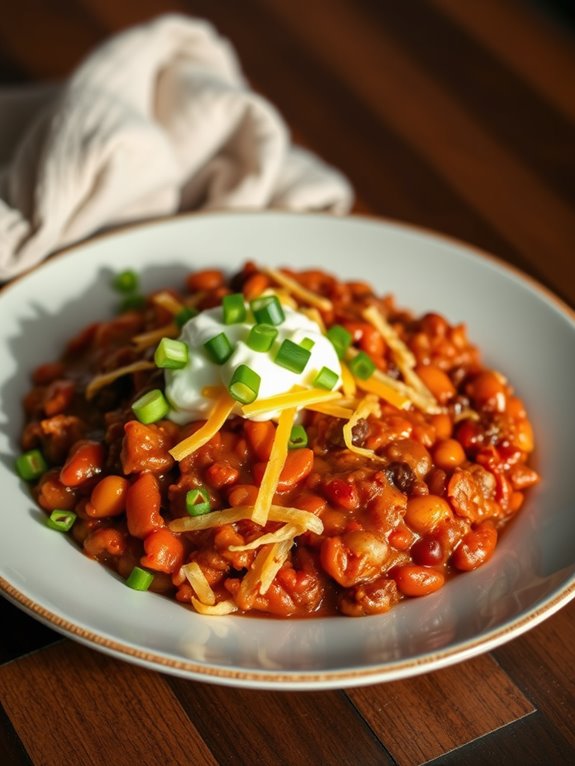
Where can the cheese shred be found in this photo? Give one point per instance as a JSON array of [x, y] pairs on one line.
[[217, 417], [294, 287], [274, 467], [305, 520], [100, 381], [369, 405]]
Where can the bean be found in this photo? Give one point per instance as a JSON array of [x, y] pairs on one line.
[[427, 551], [415, 580], [255, 285], [143, 501], [51, 494], [208, 279], [298, 465], [342, 493], [476, 547], [108, 497], [164, 551], [260, 436], [488, 390], [425, 512], [443, 425], [448, 454], [437, 382], [86, 460]]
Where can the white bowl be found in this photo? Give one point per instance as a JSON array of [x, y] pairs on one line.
[[522, 329]]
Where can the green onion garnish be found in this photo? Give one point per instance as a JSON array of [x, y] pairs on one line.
[[62, 521], [297, 438], [340, 339], [151, 407], [185, 315], [219, 348], [139, 579], [267, 310], [171, 354], [31, 465], [292, 356], [244, 385], [307, 343], [325, 378], [261, 337], [362, 366], [125, 282], [234, 308], [198, 502]]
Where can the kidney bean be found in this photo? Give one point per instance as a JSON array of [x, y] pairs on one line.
[[476, 547], [108, 497], [425, 512], [448, 454], [427, 551], [437, 382], [254, 286], [208, 279], [143, 501], [164, 551], [417, 580], [86, 460]]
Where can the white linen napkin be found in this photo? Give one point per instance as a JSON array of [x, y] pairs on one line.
[[157, 120]]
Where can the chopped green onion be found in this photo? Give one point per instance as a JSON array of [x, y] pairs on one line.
[[133, 303], [125, 282], [292, 356], [340, 339], [219, 348], [139, 579], [261, 337], [234, 308], [325, 378], [297, 438], [198, 502], [151, 407], [307, 343], [267, 310], [171, 354], [244, 385], [31, 465], [362, 366], [185, 315], [62, 521]]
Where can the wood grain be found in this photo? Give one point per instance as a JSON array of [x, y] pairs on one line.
[[116, 714], [451, 707]]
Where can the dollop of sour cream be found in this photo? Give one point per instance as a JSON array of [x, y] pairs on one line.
[[184, 386]]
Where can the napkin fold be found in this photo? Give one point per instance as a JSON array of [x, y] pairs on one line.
[[157, 120]]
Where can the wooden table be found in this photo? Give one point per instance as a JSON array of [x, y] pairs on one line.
[[452, 114]]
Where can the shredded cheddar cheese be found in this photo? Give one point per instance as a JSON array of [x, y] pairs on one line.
[[382, 389], [334, 410], [348, 381], [100, 381], [167, 301], [153, 337], [199, 583], [368, 406], [215, 610], [303, 519], [294, 287], [292, 399], [217, 417], [287, 532], [275, 464]]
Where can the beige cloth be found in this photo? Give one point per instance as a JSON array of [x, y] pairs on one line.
[[156, 120]]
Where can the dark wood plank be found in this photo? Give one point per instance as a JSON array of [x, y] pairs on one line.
[[532, 741], [285, 728], [540, 51], [542, 663], [452, 707], [69, 704], [514, 200], [492, 93]]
